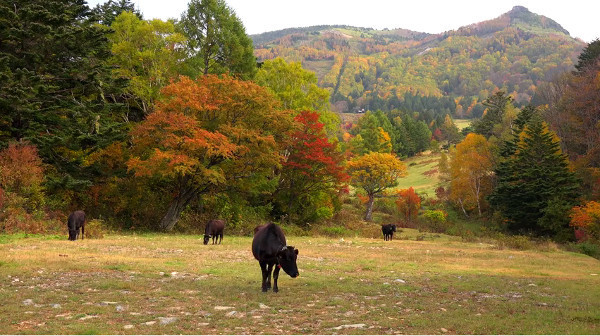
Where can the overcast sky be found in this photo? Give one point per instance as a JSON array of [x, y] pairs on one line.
[[579, 17]]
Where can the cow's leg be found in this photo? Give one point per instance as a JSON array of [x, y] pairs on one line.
[[82, 230], [392, 236], [269, 270], [263, 268], [221, 238], [275, 276]]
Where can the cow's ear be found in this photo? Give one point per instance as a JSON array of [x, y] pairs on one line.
[[296, 251]]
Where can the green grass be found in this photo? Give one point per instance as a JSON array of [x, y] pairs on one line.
[[462, 123], [402, 286], [417, 167]]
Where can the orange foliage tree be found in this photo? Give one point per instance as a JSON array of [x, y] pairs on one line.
[[21, 193], [206, 135], [408, 203], [587, 218]]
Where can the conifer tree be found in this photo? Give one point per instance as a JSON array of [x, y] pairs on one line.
[[534, 183], [52, 83]]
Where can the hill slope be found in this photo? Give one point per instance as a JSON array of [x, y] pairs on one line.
[[372, 69]]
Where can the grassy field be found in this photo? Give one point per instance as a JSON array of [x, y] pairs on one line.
[[423, 174], [172, 284], [462, 123]]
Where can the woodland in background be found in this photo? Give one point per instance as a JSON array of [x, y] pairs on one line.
[[161, 125]]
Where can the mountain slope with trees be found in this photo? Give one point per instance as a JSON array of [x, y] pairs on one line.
[[372, 69]]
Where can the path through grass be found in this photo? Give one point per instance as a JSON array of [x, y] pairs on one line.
[[169, 284]]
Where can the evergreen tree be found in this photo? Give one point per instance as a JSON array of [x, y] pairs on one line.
[[107, 12], [496, 107], [588, 56], [535, 183], [217, 40], [52, 83]]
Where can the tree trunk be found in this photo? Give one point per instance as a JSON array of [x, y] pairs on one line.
[[462, 207], [175, 208], [369, 213]]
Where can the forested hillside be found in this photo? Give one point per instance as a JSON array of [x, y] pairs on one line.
[[366, 69]]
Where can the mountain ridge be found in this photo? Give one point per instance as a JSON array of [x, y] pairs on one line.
[[365, 68]]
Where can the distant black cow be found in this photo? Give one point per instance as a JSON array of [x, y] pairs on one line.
[[269, 248], [76, 220], [214, 228], [388, 231]]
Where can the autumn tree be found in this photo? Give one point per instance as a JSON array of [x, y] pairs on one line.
[[535, 187], [408, 203], [216, 40], [587, 218], [148, 54], [374, 173], [311, 174], [209, 135], [575, 116], [471, 173]]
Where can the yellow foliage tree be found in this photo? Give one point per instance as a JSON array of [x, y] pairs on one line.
[[374, 173], [471, 172]]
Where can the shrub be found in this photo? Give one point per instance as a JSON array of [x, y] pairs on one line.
[[514, 242], [588, 248], [94, 229], [436, 220]]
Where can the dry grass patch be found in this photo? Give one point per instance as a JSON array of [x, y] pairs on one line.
[[167, 284]]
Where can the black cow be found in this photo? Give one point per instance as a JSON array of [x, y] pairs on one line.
[[258, 227], [76, 220], [388, 231], [270, 248], [214, 228]]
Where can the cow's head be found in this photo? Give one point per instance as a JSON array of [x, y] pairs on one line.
[[206, 239], [286, 258], [394, 227], [72, 234]]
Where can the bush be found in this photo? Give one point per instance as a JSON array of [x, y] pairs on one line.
[[94, 229], [513, 242], [335, 231], [587, 248]]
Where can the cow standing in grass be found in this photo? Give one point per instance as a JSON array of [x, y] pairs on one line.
[[76, 221], [269, 247], [388, 231], [214, 228]]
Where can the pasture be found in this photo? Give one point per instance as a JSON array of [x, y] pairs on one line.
[[173, 284], [423, 174]]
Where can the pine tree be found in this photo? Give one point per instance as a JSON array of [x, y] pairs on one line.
[[52, 83], [534, 182], [496, 107], [107, 12]]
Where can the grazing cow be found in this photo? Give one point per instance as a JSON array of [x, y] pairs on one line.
[[214, 228], [269, 248], [76, 220], [388, 231]]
